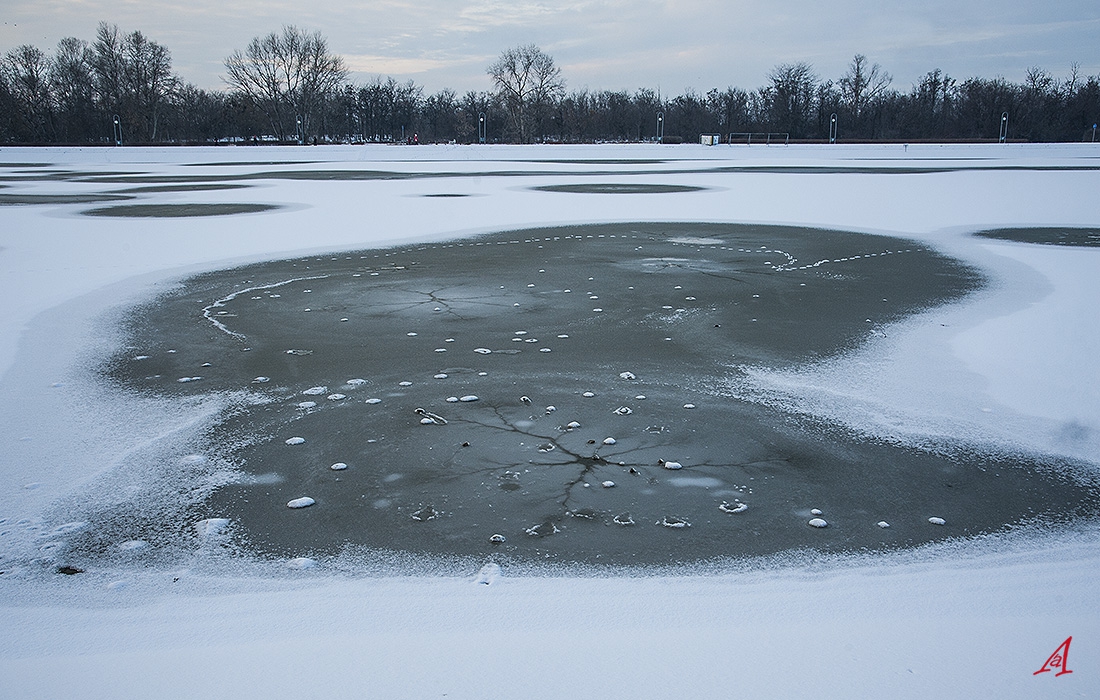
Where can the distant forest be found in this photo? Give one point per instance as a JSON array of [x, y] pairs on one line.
[[287, 87]]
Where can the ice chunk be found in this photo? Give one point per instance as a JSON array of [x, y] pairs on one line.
[[488, 574], [295, 440], [818, 522], [211, 526], [937, 521], [338, 467], [673, 522], [303, 502]]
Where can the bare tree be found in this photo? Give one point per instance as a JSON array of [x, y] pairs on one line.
[[526, 81], [27, 71], [148, 80], [74, 93], [287, 75], [790, 97], [133, 78], [863, 84]]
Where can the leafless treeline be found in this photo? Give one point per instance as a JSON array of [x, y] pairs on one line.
[[288, 87]]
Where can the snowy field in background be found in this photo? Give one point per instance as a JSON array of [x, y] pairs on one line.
[[1013, 366]]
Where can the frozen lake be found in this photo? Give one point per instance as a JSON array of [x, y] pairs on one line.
[[249, 371]]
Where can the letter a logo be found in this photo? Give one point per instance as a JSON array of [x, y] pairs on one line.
[[1057, 660]]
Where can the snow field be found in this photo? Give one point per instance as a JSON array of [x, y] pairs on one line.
[[1009, 368]]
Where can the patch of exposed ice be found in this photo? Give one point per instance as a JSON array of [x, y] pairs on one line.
[[703, 482]]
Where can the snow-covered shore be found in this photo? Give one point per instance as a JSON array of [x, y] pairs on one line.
[[1013, 366]]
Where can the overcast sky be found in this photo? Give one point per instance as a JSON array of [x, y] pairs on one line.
[[616, 44]]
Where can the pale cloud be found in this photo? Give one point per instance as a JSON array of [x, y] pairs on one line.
[[613, 44], [404, 66]]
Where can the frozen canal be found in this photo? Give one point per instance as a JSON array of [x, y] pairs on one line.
[[249, 371]]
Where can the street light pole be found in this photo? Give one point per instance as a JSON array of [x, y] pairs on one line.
[[660, 127]]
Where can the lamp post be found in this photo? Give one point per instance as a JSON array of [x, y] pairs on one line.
[[118, 131], [481, 127], [660, 127], [298, 127], [1004, 127], [832, 128]]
